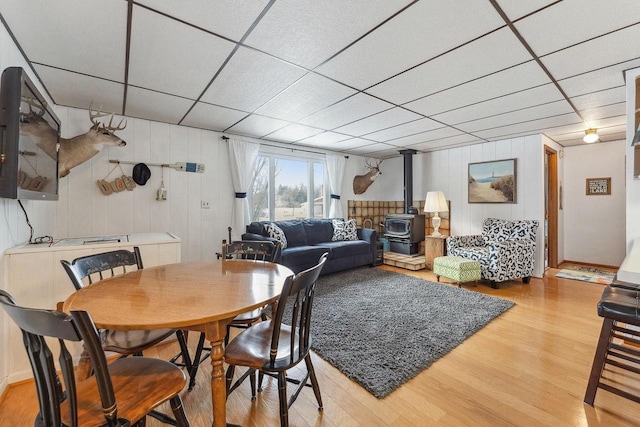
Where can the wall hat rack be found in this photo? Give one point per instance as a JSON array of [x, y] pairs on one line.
[[179, 166]]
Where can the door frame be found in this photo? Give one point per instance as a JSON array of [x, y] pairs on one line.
[[552, 206]]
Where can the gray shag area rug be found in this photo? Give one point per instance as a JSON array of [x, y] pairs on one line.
[[382, 328]]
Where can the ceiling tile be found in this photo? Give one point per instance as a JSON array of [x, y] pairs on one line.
[[213, 117], [453, 141], [385, 154], [324, 139], [535, 126], [293, 133], [512, 80], [371, 150], [383, 120], [517, 8], [308, 32], [597, 53], [491, 53], [228, 18], [250, 79], [179, 60], [520, 116], [147, 104], [72, 35], [603, 97], [349, 110], [596, 80], [407, 141], [307, 96], [80, 91], [608, 122], [257, 126], [573, 21], [410, 128], [352, 143], [421, 32], [595, 114], [504, 104]]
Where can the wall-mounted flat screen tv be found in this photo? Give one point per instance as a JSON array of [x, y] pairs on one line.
[[29, 140]]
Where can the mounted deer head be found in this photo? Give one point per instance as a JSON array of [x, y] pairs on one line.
[[362, 182], [78, 149]]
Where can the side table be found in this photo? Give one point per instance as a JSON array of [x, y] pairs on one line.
[[434, 246]]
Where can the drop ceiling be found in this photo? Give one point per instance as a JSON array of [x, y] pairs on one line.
[[367, 77]]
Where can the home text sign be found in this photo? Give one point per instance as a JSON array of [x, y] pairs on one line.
[[598, 186]]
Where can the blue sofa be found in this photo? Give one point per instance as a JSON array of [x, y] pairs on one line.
[[308, 239]]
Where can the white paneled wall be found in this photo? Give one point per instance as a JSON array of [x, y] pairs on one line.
[[84, 211], [447, 170]]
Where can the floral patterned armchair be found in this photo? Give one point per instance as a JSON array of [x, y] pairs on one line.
[[505, 249]]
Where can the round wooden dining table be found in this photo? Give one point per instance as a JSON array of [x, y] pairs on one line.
[[196, 296]]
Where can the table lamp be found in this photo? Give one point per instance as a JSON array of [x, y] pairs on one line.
[[436, 203]]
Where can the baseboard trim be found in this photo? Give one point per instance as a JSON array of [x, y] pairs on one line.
[[588, 264]]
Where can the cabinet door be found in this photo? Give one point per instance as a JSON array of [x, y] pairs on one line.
[[434, 247]]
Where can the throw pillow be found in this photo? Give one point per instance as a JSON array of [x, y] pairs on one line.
[[344, 230], [276, 232]]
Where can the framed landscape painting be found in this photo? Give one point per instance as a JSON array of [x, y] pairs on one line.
[[493, 182]]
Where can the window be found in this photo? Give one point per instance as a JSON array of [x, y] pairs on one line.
[[281, 189]]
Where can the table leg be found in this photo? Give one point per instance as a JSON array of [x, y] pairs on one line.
[[218, 383], [84, 368]]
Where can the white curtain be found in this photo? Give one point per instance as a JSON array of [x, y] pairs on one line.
[[242, 156], [335, 170]]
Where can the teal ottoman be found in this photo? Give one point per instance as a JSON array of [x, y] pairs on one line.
[[457, 268]]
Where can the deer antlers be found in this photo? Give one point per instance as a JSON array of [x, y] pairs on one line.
[[370, 166], [93, 116]]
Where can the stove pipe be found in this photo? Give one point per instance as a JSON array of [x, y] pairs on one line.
[[408, 178]]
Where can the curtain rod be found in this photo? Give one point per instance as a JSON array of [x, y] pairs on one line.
[[285, 148]]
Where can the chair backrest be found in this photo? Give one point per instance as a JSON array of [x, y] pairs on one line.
[[98, 266], [501, 230], [36, 324], [262, 250], [296, 298]]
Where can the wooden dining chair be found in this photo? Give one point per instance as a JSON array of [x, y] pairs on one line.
[[277, 345], [259, 251], [121, 393], [86, 270]]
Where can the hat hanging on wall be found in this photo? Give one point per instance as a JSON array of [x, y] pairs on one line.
[[141, 173]]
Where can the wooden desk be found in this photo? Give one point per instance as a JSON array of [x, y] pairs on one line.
[[434, 246], [203, 296]]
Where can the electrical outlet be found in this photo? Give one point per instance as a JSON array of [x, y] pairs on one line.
[[204, 205]]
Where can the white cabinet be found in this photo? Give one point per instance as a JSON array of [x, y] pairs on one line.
[[34, 276]]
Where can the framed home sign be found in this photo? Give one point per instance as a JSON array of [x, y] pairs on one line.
[[493, 182], [599, 186]]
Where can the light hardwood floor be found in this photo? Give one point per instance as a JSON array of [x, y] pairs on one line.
[[528, 367]]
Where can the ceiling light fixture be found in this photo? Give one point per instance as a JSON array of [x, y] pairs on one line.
[[590, 135]]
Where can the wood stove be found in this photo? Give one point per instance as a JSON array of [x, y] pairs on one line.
[[405, 232]]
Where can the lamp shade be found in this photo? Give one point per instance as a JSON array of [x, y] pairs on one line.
[[436, 202]]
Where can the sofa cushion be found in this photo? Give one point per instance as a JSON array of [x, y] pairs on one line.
[[258, 228], [276, 232], [300, 255], [318, 230], [344, 230], [294, 230], [346, 248]]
